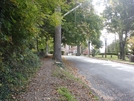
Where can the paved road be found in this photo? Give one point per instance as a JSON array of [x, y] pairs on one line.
[[112, 81]]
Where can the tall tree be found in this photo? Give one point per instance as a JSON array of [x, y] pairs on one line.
[[19, 21], [54, 15], [131, 44], [17, 27], [119, 19], [81, 25], [113, 47]]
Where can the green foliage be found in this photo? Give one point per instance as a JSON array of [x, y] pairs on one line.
[[108, 57], [62, 52], [17, 25], [97, 43], [66, 94], [131, 44], [81, 25], [113, 47], [22, 23], [15, 73], [18, 28], [51, 52], [119, 18], [55, 19]]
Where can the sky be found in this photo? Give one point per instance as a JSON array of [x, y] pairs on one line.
[[98, 6]]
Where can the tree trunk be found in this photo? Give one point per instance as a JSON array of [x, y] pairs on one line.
[[89, 48], [82, 49], [54, 46], [123, 53], [78, 50], [120, 49], [57, 40], [57, 44], [47, 48], [124, 46], [120, 46], [133, 52]]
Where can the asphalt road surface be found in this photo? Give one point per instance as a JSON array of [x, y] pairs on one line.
[[110, 80]]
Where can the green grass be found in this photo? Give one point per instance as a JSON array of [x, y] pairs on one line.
[[109, 57], [66, 95], [114, 58], [63, 73], [66, 74]]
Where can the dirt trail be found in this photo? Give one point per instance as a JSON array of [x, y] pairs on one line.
[[40, 88]]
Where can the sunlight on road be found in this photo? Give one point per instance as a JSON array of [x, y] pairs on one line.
[[128, 69], [129, 79], [109, 78], [119, 66]]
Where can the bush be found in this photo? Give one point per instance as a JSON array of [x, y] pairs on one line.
[[15, 73], [51, 52], [62, 52]]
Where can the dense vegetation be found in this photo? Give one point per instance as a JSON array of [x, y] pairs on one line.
[[81, 27], [17, 33], [26, 26]]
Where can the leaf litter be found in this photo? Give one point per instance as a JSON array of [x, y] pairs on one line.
[[45, 84]]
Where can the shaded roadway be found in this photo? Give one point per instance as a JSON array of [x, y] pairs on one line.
[[112, 81]]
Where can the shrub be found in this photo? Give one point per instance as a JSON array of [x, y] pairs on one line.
[[51, 52], [62, 52], [15, 73]]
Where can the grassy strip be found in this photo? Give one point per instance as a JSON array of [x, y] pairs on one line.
[[115, 58], [67, 74], [64, 73], [66, 94]]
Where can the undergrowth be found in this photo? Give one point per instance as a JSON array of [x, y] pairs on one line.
[[15, 73]]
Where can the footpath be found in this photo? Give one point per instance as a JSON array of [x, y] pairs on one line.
[[57, 83]]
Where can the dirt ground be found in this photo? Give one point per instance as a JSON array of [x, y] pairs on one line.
[[44, 85]]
